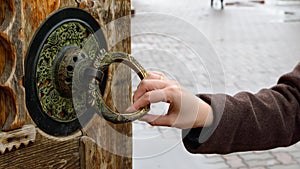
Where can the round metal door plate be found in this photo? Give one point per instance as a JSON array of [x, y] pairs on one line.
[[49, 68]]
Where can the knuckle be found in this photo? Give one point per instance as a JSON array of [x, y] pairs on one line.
[[173, 89], [146, 97], [143, 82]]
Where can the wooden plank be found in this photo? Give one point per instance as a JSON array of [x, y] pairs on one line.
[[8, 106], [35, 12], [91, 154], [115, 141], [12, 68], [17, 138], [19, 20], [46, 152]]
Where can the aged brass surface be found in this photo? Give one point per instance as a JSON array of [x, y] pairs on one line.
[[95, 70], [54, 50], [55, 69], [66, 73]]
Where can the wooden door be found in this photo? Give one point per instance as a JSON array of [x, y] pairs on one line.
[[24, 145]]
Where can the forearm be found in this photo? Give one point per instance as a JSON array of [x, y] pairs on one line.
[[248, 121]]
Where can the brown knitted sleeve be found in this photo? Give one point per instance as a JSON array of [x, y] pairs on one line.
[[245, 121]]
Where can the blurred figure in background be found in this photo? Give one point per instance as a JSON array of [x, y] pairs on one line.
[[212, 3]]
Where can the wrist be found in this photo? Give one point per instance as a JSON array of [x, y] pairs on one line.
[[204, 116]]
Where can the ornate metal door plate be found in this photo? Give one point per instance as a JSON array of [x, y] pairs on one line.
[[68, 48]]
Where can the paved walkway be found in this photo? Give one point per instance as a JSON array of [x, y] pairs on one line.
[[251, 45]]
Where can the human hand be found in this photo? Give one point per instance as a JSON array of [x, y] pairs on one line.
[[185, 111]]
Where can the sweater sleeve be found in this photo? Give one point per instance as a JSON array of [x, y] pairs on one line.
[[245, 121]]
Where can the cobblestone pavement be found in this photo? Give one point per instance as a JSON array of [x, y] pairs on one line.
[[253, 45]]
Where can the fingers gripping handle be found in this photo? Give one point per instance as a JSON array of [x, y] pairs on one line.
[[104, 110]]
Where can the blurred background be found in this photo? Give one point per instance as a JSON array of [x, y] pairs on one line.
[[244, 47]]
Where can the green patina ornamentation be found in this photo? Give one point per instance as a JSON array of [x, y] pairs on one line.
[[54, 64], [70, 70]]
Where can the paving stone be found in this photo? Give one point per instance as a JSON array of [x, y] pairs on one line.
[[285, 167], [292, 148], [253, 168], [280, 149], [260, 152], [258, 168], [297, 145], [253, 47], [255, 156], [258, 163], [236, 163], [220, 166], [298, 161], [295, 154], [284, 158], [215, 160], [212, 155]]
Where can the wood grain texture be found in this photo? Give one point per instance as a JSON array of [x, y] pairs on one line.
[[110, 145], [90, 156], [6, 13], [13, 65], [8, 110], [19, 20], [35, 12], [114, 140], [7, 58], [17, 138], [46, 152]]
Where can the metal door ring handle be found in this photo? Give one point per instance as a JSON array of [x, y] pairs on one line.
[[103, 64]]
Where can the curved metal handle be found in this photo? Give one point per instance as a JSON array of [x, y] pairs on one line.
[[105, 111]]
